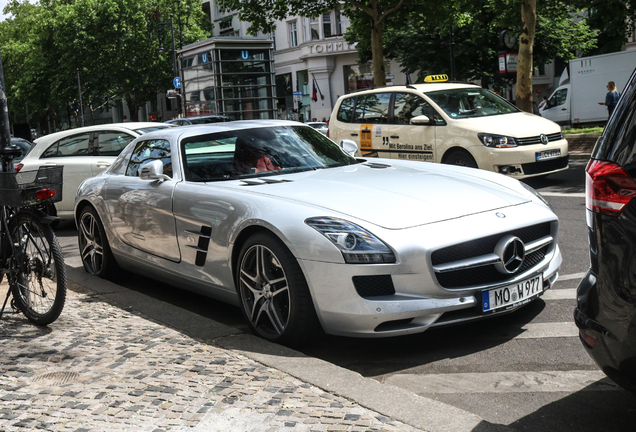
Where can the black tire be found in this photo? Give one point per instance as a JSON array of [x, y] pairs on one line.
[[37, 275], [274, 296], [461, 158], [94, 248]]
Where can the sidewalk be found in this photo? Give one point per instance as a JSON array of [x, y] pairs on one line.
[[103, 366]]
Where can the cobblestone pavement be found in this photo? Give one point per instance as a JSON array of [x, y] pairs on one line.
[[102, 368]]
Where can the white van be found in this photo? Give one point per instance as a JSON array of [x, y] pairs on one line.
[[458, 124]]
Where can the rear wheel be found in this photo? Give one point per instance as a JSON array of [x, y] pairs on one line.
[[37, 274], [461, 158], [93, 245], [273, 291]]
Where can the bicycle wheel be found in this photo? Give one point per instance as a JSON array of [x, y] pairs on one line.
[[37, 275]]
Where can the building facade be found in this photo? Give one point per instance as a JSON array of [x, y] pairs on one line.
[[314, 65]]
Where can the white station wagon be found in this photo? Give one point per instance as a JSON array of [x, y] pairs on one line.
[[459, 124]]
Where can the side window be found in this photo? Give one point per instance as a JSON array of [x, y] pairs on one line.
[[558, 98], [372, 108], [147, 151], [112, 143], [409, 105], [345, 112], [75, 145]]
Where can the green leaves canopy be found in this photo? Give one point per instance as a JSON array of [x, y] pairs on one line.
[[113, 43]]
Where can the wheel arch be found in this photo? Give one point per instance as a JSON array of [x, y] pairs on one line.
[[458, 149]]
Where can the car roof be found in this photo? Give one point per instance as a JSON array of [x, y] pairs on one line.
[[194, 130], [423, 88], [131, 126]]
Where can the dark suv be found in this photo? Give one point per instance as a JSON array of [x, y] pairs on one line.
[[606, 297]]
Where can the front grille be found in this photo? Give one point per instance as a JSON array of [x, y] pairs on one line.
[[545, 166], [374, 286], [537, 139], [487, 274]]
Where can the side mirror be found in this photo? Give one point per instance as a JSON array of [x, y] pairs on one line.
[[350, 147], [420, 120], [153, 171]]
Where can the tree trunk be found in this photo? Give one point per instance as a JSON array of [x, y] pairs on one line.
[[377, 51], [133, 107], [524, 63]]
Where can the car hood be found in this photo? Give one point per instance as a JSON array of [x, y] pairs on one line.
[[517, 125], [395, 197]]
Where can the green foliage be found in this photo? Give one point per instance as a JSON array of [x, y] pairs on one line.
[[113, 43], [418, 37], [612, 19]]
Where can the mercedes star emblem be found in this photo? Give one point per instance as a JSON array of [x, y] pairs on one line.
[[511, 252]]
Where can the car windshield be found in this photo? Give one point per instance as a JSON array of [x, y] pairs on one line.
[[471, 102], [255, 152], [146, 130]]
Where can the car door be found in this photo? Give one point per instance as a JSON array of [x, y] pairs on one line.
[[372, 114], [409, 141], [558, 107], [107, 146], [141, 212], [75, 153]]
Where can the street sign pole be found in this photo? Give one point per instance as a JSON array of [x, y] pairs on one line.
[[5, 133]]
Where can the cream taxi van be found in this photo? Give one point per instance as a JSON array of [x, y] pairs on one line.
[[451, 123]]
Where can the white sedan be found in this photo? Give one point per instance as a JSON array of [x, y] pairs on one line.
[[84, 152], [278, 219]]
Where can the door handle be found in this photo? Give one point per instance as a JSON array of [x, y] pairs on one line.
[[103, 164], [395, 136], [564, 109], [354, 134]]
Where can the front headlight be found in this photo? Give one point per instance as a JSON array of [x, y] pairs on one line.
[[357, 245], [497, 141], [536, 194]]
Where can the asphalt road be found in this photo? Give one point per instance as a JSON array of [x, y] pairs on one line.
[[526, 369]]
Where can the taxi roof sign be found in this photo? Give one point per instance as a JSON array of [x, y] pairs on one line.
[[436, 78]]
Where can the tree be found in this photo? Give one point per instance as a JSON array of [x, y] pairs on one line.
[[262, 14], [113, 43], [418, 37], [526, 45]]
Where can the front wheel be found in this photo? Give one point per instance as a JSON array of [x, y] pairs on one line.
[[37, 275], [273, 291], [461, 158]]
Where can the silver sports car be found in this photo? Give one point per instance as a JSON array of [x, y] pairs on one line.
[[278, 219]]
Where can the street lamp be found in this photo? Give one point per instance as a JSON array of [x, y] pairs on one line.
[[174, 51]]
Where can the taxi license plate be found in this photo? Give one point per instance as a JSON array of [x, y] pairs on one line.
[[512, 295], [548, 154]]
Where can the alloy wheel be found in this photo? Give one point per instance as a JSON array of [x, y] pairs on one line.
[[265, 291], [90, 243]]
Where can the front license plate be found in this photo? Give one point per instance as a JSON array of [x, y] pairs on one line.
[[512, 295], [548, 154]]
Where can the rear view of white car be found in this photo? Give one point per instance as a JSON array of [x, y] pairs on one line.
[[84, 152]]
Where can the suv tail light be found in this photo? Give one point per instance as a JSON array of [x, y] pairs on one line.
[[18, 167], [608, 188], [327, 133]]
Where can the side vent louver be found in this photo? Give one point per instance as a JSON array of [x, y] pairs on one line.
[[202, 246]]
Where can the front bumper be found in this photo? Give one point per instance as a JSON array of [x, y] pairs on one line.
[[342, 311]]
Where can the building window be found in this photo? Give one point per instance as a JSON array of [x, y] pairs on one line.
[[293, 34], [314, 28], [338, 21], [326, 25]]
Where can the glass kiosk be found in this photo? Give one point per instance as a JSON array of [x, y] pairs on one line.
[[229, 76]]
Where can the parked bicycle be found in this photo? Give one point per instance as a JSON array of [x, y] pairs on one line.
[[30, 254]]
